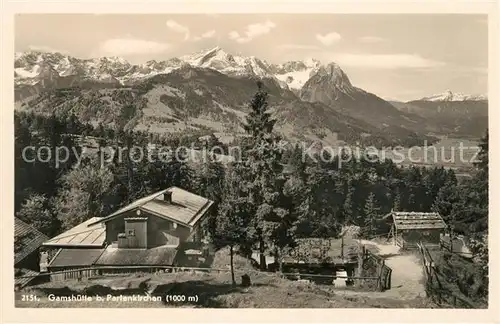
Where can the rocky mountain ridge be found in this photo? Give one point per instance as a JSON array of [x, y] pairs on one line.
[[210, 89]]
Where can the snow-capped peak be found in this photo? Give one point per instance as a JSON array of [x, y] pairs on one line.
[[334, 73], [290, 75], [202, 57], [312, 62], [218, 59], [296, 73], [120, 60], [332, 76], [448, 95]]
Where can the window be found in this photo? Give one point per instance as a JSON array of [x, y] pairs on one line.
[[131, 232]]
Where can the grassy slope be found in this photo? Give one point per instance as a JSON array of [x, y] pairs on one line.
[[215, 290], [461, 277]]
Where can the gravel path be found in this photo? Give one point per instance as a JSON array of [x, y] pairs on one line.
[[407, 279]]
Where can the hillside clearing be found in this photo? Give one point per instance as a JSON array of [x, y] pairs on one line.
[[216, 291]]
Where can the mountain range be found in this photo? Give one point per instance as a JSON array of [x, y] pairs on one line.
[[210, 90], [31, 67]]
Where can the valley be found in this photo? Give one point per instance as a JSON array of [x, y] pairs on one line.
[[207, 93]]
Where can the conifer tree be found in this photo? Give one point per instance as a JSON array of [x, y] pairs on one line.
[[262, 159], [234, 214], [396, 206], [371, 214], [348, 204], [210, 184]]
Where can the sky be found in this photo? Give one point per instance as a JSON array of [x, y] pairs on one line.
[[396, 56]]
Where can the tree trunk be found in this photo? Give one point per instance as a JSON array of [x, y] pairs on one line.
[[262, 263], [232, 265], [280, 256], [342, 247]]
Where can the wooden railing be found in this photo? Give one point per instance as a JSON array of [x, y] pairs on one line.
[[400, 242], [383, 271], [434, 287], [382, 278], [88, 272]]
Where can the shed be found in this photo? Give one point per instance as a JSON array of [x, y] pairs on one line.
[[409, 228], [27, 242]]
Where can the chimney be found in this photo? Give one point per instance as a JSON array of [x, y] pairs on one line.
[[167, 197]]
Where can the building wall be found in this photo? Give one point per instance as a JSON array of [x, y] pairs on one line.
[[116, 226], [158, 231], [136, 232], [164, 232], [197, 234]]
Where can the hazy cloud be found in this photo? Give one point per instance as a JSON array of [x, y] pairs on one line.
[[205, 35], [178, 28], [329, 39], [252, 31], [465, 69], [48, 49], [131, 46], [383, 61], [371, 39], [297, 47]]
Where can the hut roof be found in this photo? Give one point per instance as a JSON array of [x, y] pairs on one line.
[[27, 239], [185, 208], [417, 220]]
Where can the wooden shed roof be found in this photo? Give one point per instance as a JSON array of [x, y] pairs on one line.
[[27, 239], [22, 277], [417, 220]]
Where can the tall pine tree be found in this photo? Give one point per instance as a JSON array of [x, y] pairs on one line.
[[262, 158], [210, 184], [371, 215], [234, 214]]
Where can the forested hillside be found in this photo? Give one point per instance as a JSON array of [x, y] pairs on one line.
[[321, 195]]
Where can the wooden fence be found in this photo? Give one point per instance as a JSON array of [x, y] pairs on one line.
[[400, 242], [73, 274], [382, 278], [85, 273], [89, 272], [383, 271], [434, 287]]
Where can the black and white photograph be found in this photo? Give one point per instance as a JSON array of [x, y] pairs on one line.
[[251, 160]]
